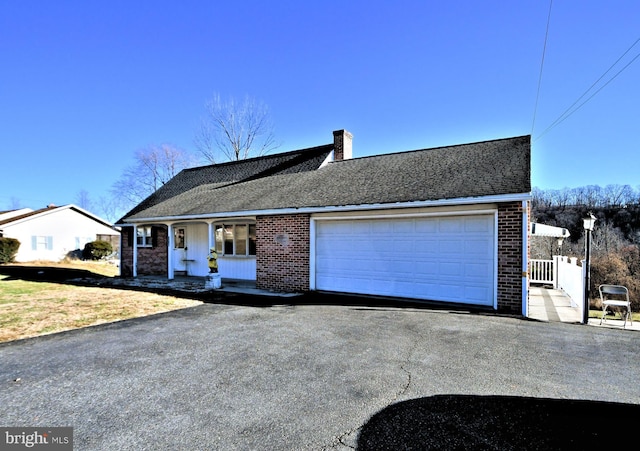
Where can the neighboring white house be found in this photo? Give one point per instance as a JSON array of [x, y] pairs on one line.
[[4, 215], [51, 233]]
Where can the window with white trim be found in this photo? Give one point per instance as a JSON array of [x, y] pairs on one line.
[[235, 239], [144, 236], [41, 243]]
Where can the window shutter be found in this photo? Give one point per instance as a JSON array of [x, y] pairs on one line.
[[154, 236], [34, 243], [49, 243], [129, 231]]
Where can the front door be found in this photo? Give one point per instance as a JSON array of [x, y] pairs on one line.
[[190, 249], [180, 249], [196, 249]]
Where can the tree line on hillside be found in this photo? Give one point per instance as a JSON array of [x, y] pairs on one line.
[[590, 196], [615, 246]]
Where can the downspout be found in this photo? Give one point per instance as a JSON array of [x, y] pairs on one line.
[[525, 258]]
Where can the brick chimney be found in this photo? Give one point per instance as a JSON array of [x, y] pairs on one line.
[[342, 140]]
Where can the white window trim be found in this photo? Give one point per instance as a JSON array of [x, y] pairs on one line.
[[146, 240], [224, 224]]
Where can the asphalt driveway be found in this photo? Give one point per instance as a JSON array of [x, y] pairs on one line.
[[325, 377]]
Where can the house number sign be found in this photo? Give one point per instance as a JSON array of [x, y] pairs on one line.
[[282, 239]]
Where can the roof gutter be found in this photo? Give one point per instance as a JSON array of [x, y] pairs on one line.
[[516, 197]]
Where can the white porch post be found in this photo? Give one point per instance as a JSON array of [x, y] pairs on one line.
[[210, 236], [556, 271], [135, 250], [121, 239], [170, 256]]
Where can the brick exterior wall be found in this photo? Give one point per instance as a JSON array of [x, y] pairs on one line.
[[151, 260], [282, 252], [510, 257], [126, 253]]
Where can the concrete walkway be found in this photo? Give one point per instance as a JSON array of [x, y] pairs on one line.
[[547, 304]]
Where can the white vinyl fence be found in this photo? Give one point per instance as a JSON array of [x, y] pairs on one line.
[[570, 279]]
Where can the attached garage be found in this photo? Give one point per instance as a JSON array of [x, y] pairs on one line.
[[451, 258]]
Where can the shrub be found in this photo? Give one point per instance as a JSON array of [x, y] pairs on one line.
[[73, 255], [8, 249], [617, 269], [96, 250]]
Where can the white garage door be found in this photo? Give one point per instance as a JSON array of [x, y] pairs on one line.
[[449, 258]]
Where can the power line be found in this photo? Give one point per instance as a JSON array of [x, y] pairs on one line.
[[568, 112], [544, 50]]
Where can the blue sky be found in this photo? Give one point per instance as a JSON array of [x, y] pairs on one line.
[[84, 84]]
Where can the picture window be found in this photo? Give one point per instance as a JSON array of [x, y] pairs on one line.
[[235, 239]]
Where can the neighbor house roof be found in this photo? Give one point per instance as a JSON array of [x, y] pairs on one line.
[[4, 215], [26, 215], [483, 169], [51, 209]]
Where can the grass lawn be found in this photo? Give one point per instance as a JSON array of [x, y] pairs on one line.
[[29, 309], [635, 316]]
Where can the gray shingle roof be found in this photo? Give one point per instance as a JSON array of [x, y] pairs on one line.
[[481, 169], [234, 172]]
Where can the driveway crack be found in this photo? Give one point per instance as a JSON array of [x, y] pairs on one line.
[[348, 439], [405, 363]]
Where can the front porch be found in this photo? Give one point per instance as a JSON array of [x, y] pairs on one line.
[[195, 285], [176, 249]]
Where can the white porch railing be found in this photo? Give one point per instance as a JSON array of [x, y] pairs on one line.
[[541, 271], [563, 273]]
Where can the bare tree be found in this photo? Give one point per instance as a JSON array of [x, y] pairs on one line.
[[15, 203], [83, 200], [618, 195], [109, 208], [154, 166], [593, 196], [540, 198], [561, 197], [233, 130], [579, 196], [607, 239]]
